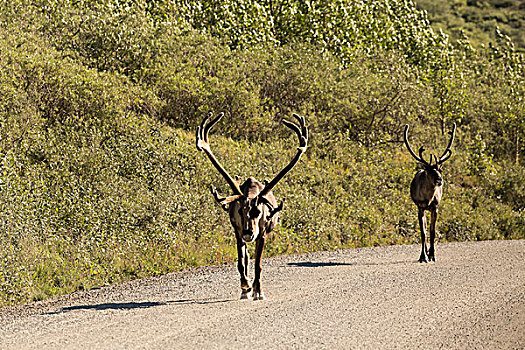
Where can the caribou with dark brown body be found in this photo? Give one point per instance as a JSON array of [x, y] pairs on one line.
[[252, 208], [426, 190]]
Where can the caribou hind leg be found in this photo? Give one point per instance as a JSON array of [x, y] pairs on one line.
[[242, 266], [433, 220], [422, 226], [257, 292]]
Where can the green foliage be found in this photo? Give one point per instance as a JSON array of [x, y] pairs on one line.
[[509, 187], [342, 27], [100, 180], [478, 19]]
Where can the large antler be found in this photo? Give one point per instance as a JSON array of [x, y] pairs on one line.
[[203, 145], [302, 134], [421, 149], [446, 155]]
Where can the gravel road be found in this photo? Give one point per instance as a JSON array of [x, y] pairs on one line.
[[473, 297]]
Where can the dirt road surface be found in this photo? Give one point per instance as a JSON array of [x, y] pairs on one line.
[[473, 297]]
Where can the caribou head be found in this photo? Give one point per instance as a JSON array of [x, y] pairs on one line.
[[252, 208], [426, 190], [254, 213]]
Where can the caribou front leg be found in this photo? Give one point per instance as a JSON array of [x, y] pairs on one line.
[[422, 225], [257, 292], [242, 266], [433, 220]]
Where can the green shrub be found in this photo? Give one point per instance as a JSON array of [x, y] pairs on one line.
[[509, 187]]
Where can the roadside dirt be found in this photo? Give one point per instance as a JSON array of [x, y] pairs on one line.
[[473, 297]]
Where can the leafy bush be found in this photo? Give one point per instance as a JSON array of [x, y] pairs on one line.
[[477, 19], [509, 186]]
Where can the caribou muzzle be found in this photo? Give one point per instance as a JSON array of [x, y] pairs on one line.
[[248, 236]]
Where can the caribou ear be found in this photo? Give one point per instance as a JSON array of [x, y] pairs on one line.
[[266, 202], [276, 210], [273, 210]]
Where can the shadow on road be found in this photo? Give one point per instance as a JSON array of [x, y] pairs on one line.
[[109, 306], [200, 302], [333, 263], [132, 305], [318, 264], [384, 263]]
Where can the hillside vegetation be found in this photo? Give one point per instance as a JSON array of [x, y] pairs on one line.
[[100, 180], [480, 20]]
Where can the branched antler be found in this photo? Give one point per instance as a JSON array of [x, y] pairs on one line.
[[203, 145], [446, 155], [421, 149], [302, 134], [437, 161]]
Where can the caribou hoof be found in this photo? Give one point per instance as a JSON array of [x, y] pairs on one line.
[[423, 259], [246, 294], [432, 258], [258, 296]]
